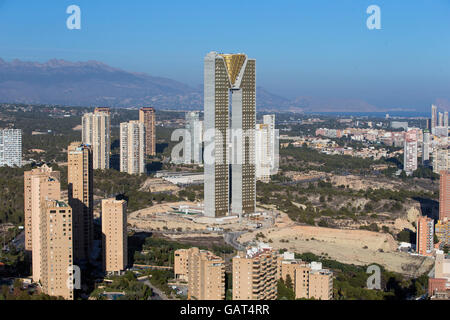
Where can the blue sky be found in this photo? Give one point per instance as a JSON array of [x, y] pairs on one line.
[[319, 48]]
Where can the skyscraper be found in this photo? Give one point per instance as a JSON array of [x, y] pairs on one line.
[[56, 272], [114, 235], [444, 196], [132, 147], [426, 146], [147, 117], [410, 152], [96, 132], [43, 188], [81, 198], [193, 152], [230, 76], [11, 147], [446, 123], [441, 160], [28, 193], [441, 119], [425, 236], [433, 118], [262, 152]]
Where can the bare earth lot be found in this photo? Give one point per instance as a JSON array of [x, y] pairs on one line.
[[359, 247]]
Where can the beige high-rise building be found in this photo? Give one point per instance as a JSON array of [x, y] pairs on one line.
[[425, 236], [28, 192], [43, 186], [132, 147], [56, 272], [255, 274], [81, 198], [309, 279], [114, 235], [204, 272], [147, 117], [96, 132]]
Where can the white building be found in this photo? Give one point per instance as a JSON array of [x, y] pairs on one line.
[[426, 146], [441, 160], [262, 152], [11, 147], [193, 139], [410, 152], [132, 147], [96, 132]]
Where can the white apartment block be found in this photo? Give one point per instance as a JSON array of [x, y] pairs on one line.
[[96, 132], [132, 147], [193, 150], [11, 147]]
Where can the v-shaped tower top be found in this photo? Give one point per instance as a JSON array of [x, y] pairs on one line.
[[234, 63]]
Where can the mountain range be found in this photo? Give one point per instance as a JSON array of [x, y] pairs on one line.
[[94, 83]]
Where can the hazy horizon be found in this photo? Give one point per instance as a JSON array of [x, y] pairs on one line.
[[322, 50]]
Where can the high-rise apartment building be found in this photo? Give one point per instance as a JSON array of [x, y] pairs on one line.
[[262, 152], [426, 146], [446, 121], [81, 198], [442, 231], [204, 272], [441, 160], [56, 271], [425, 236], [410, 152], [229, 77], [114, 235], [132, 147], [11, 147], [148, 118], [266, 149], [28, 203], [433, 118], [43, 187], [255, 274], [193, 150], [441, 119], [269, 119], [96, 132], [444, 196]]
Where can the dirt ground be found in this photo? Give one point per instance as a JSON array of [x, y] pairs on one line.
[[359, 247]]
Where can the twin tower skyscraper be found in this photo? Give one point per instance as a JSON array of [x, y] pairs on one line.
[[229, 125]]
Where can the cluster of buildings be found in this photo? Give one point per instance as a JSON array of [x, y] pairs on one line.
[[330, 147], [137, 139], [255, 274], [433, 141], [59, 234], [439, 284]]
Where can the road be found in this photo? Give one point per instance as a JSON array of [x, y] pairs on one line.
[[231, 239], [157, 294]]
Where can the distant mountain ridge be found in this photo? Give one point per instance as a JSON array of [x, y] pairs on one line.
[[94, 83]]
